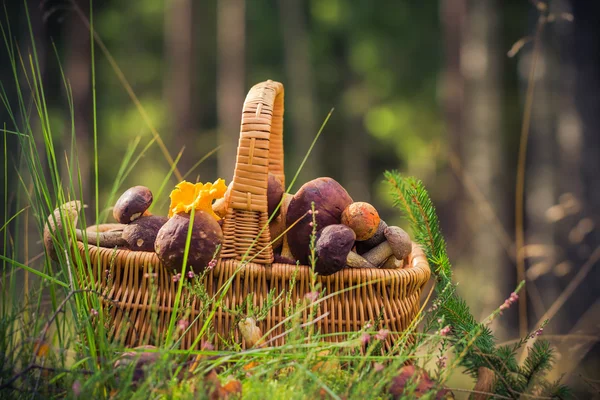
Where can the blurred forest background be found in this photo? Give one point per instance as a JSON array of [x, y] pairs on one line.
[[426, 87]]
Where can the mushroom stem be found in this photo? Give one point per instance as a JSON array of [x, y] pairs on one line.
[[391, 263], [103, 239], [355, 261], [378, 254], [105, 227]]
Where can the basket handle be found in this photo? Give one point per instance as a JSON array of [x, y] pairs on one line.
[[260, 151]]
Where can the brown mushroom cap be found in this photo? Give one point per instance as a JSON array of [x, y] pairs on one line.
[[141, 233], [399, 241], [378, 238], [330, 200], [171, 239], [333, 245], [275, 191], [132, 204], [363, 218]]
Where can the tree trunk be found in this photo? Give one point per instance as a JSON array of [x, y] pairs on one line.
[[78, 74], [179, 78], [299, 89], [481, 149], [231, 89]]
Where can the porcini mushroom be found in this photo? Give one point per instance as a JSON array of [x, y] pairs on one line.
[[54, 224], [277, 225], [334, 250], [171, 240], [378, 238], [330, 199], [363, 218], [132, 204], [397, 243], [275, 191], [141, 234]]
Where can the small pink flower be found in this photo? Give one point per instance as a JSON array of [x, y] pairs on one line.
[[182, 324], [504, 306], [377, 367], [440, 320], [365, 338], [206, 346], [539, 331], [368, 325], [311, 296], [76, 388], [310, 212], [191, 274], [212, 264], [382, 334], [310, 224], [445, 330], [176, 278], [93, 312]]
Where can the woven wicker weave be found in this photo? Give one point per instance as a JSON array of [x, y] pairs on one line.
[[142, 291]]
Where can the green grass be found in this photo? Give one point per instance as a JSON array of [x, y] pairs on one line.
[[53, 345]]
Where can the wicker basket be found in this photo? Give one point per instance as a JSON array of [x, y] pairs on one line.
[[141, 302]]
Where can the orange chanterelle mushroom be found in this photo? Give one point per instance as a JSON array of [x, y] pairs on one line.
[[187, 196]]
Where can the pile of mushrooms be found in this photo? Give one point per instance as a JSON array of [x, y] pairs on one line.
[[136, 229], [349, 234]]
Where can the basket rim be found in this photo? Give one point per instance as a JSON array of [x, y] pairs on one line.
[[417, 274]]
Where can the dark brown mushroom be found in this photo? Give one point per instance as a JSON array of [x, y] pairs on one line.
[[330, 199], [171, 240], [132, 204], [397, 243], [334, 250], [140, 235], [275, 191], [277, 225], [363, 218], [378, 238]]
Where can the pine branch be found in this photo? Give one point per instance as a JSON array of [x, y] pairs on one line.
[[474, 343]]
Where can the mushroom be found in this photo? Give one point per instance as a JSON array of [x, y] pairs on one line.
[[205, 239], [334, 250], [221, 204], [54, 224], [378, 238], [362, 218], [277, 225], [391, 263], [275, 191], [330, 199], [132, 204], [397, 243], [140, 235]]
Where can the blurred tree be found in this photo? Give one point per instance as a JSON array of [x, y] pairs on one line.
[[481, 148], [231, 86], [77, 71], [300, 94], [179, 76]]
